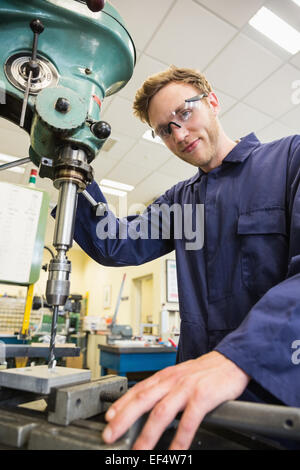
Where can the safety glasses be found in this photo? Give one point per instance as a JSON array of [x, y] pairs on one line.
[[180, 117]]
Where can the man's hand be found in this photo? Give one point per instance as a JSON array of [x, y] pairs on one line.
[[195, 387]]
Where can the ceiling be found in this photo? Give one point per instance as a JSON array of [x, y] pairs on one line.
[[252, 77]]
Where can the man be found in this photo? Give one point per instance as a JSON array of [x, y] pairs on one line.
[[239, 293]]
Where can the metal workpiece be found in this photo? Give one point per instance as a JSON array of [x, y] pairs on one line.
[[40, 351], [41, 379], [74, 402]]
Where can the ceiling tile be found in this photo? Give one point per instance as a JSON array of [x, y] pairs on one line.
[[147, 155], [274, 95], [292, 119], [273, 132], [145, 67], [106, 103], [190, 36], [135, 13], [120, 116], [241, 120], [236, 12], [152, 187], [178, 169], [226, 102], [102, 166], [128, 173], [296, 60], [119, 149], [241, 66]]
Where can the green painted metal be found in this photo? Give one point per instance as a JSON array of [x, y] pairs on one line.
[[93, 54]]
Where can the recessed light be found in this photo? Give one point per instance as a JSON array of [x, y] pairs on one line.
[[297, 2], [276, 29], [117, 185], [112, 191]]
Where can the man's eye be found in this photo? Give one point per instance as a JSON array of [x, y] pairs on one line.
[[185, 114]]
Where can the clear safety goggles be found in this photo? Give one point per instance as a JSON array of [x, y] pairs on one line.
[[180, 117]]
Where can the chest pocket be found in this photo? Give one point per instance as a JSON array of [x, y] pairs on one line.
[[264, 248]]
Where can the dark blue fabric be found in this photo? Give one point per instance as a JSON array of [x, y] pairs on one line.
[[240, 293]]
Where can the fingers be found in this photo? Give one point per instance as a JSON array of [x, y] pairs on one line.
[[161, 416], [197, 387], [140, 399], [190, 422]]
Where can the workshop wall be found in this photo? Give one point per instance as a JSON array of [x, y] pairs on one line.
[[97, 279]]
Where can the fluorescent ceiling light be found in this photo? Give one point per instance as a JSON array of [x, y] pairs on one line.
[[117, 185], [112, 191], [156, 140], [269, 24], [297, 2]]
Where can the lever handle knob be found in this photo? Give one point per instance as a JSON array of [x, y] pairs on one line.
[[101, 130], [95, 5], [36, 26]]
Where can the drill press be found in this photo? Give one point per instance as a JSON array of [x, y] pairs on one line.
[[62, 58]]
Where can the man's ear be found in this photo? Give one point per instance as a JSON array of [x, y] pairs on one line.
[[213, 102]]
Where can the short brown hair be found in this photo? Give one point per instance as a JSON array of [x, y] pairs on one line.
[[156, 82]]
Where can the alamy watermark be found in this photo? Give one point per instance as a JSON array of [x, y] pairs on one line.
[[158, 221], [295, 98], [296, 354]]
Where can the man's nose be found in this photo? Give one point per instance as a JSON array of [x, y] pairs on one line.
[[179, 133]]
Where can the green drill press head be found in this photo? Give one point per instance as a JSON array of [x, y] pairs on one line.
[[76, 58]]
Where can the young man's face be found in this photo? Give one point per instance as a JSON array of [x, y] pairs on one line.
[[196, 140]]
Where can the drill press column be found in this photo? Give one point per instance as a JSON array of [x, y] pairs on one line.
[[71, 174]]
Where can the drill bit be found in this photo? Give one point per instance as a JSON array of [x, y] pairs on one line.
[[52, 361]]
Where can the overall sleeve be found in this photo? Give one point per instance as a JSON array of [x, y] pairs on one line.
[[122, 242], [267, 343]]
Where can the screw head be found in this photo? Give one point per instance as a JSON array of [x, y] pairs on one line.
[[62, 105]]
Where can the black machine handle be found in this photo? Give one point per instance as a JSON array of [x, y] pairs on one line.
[[95, 5]]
